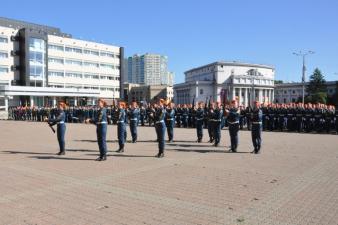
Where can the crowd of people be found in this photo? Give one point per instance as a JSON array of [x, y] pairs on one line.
[[294, 117], [165, 116]]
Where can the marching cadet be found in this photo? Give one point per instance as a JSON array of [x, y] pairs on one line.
[[199, 121], [170, 121], [256, 129], [160, 127], [100, 121], [133, 114], [121, 126], [178, 112], [216, 120], [142, 114], [61, 126], [210, 122], [185, 113], [233, 121], [335, 109]]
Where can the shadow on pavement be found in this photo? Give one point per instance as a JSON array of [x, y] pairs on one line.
[[61, 157], [202, 151], [29, 153]]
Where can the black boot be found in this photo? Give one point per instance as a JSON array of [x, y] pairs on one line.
[[160, 155], [61, 153], [121, 149]]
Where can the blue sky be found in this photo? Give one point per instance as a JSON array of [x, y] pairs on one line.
[[195, 32]]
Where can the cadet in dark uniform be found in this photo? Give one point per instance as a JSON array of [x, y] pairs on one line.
[[233, 121], [216, 121], [211, 123], [61, 126], [143, 114], [170, 121], [101, 129], [256, 129], [133, 115], [121, 126], [199, 121], [185, 113], [160, 127]]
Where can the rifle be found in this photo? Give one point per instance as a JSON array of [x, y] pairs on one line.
[[193, 103], [51, 127], [209, 105]]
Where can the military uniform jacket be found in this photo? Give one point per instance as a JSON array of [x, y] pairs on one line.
[[134, 114], [199, 114], [160, 115], [60, 118], [121, 116], [101, 117], [233, 116], [257, 116], [170, 115]]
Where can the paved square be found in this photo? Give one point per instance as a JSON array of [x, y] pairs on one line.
[[294, 180]]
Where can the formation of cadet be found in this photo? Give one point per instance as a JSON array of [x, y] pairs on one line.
[[164, 116]]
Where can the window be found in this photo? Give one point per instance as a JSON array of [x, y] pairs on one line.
[[91, 52], [293, 92], [3, 69], [35, 57], [36, 44], [73, 62], [91, 76], [107, 66], [3, 40], [55, 74], [55, 60], [90, 64], [201, 91], [107, 54], [55, 47], [75, 50], [74, 74], [3, 55]]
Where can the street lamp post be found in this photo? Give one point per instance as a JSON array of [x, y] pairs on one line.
[[303, 55]]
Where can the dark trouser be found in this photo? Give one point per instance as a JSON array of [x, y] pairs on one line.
[[61, 130], [233, 131], [185, 121], [142, 120], [170, 129], [299, 121], [121, 132], [199, 129], [248, 120], [178, 120], [160, 132], [217, 131], [211, 130], [133, 129], [256, 136], [101, 132]]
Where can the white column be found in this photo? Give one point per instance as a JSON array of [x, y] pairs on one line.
[[6, 103], [260, 95], [93, 101], [272, 95], [246, 97], [233, 93], [240, 96], [54, 101], [32, 101]]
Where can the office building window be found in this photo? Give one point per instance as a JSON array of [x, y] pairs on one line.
[[107, 66], [91, 52], [55, 47], [3, 40], [91, 64], [3, 69], [73, 62], [37, 51], [107, 54], [55, 60], [201, 91], [91, 76], [55, 74], [75, 50], [3, 55], [74, 75]]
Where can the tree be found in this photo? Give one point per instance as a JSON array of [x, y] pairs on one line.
[[278, 81], [316, 88]]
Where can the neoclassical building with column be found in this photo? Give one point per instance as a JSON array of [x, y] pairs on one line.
[[221, 81]]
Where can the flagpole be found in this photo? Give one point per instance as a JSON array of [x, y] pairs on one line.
[[303, 54]]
